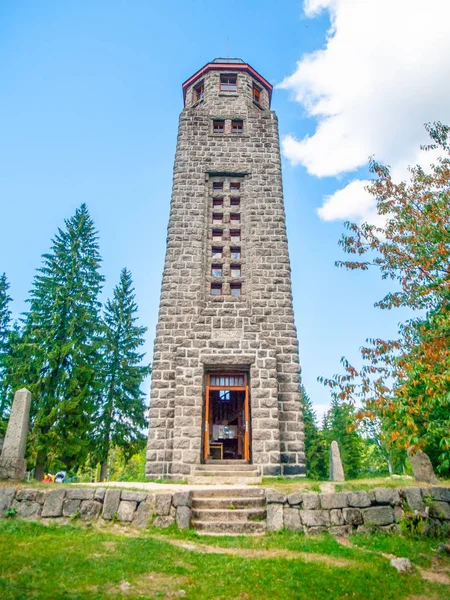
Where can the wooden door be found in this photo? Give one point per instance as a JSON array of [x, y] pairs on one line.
[[232, 382]]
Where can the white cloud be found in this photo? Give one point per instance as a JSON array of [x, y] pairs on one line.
[[383, 73], [352, 202]]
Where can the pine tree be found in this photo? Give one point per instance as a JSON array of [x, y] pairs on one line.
[[315, 445], [120, 415], [58, 355], [5, 335]]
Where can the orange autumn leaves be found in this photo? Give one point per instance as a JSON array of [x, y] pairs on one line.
[[406, 382]]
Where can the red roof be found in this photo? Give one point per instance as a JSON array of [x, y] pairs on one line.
[[227, 64]]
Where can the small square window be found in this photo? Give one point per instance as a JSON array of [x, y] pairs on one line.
[[235, 270], [235, 235], [199, 91], [217, 235], [235, 218], [235, 289], [228, 83], [216, 289], [218, 126], [217, 202], [218, 186], [235, 188], [235, 252], [256, 94], [235, 202], [217, 252], [216, 271], [237, 126], [217, 218]]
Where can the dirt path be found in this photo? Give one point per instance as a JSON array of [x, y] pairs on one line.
[[264, 553]]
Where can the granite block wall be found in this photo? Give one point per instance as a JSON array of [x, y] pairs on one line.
[[127, 507], [342, 513]]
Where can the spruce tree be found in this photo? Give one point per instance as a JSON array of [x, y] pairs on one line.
[[58, 355], [5, 335], [120, 415], [315, 445]]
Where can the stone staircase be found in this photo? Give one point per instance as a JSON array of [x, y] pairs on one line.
[[229, 511], [219, 472]]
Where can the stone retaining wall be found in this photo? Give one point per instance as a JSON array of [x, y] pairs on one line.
[[339, 513], [344, 512], [110, 504]]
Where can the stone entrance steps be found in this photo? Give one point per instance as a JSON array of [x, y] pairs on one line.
[[229, 511], [225, 471]]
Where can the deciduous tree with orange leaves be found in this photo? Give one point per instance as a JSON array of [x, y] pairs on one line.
[[406, 381]]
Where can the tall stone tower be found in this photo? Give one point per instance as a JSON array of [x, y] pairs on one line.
[[226, 374]]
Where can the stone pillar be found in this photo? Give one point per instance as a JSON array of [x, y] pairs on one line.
[[336, 468], [421, 467], [12, 462]]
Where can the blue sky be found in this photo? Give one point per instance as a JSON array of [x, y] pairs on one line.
[[91, 94]]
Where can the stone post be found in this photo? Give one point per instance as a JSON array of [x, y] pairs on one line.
[[336, 468], [421, 467], [12, 462]]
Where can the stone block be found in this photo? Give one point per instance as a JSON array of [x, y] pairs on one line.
[[151, 501], [387, 496], [53, 504], [440, 510], [329, 501], [291, 518], [274, 517], [340, 530], [336, 517], [99, 494], [163, 502], [80, 494], [143, 516], [89, 509], [133, 496], [399, 513], [440, 493], [358, 499], [183, 517], [314, 530], [311, 501], [352, 516], [70, 507], [126, 510], [315, 518], [6, 499], [378, 515], [27, 509], [295, 499], [163, 521], [111, 504], [31, 495], [275, 497], [413, 498], [182, 499]]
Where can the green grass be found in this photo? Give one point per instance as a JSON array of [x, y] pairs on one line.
[[74, 563], [303, 484]]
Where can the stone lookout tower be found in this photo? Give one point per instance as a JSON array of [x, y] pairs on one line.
[[225, 385]]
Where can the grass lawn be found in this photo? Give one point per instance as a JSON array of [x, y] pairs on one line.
[[303, 484], [72, 562]]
